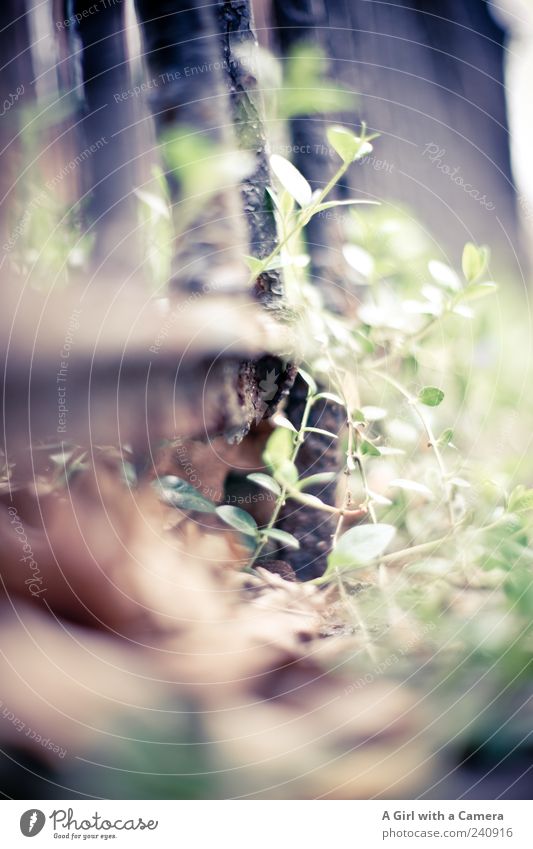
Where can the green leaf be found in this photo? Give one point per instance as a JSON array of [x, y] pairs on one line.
[[431, 396], [322, 432], [460, 483], [519, 589], [521, 499], [285, 538], [369, 449], [203, 165], [359, 259], [463, 310], [286, 472], [360, 546], [391, 451], [282, 421], [156, 203], [62, 458], [474, 261], [316, 480], [309, 380], [181, 494], [238, 519], [309, 500], [349, 146], [444, 275], [446, 438], [330, 396], [265, 481], [291, 179], [329, 204], [254, 264], [306, 88], [411, 486], [272, 199], [478, 290], [373, 414], [286, 204], [279, 448]]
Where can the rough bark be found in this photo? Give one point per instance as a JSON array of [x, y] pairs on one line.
[[239, 43]]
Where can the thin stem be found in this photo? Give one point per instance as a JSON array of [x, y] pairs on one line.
[[430, 435], [351, 603], [302, 219], [347, 494], [413, 337], [414, 550], [285, 487]]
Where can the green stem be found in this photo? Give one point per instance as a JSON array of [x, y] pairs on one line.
[[285, 487], [302, 219], [430, 435]]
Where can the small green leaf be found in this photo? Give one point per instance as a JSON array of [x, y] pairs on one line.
[[316, 480], [322, 432], [183, 495], [369, 449], [478, 290], [330, 396], [286, 472], [519, 589], [286, 204], [254, 264], [521, 499], [463, 310], [309, 380], [282, 421], [285, 538], [360, 546], [291, 179], [460, 483], [377, 498], [329, 204], [431, 396], [359, 259], [349, 146], [309, 500], [238, 519], [446, 437], [157, 204], [265, 481], [444, 275], [373, 414], [474, 261], [391, 451], [411, 486], [272, 199], [279, 447], [62, 458]]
